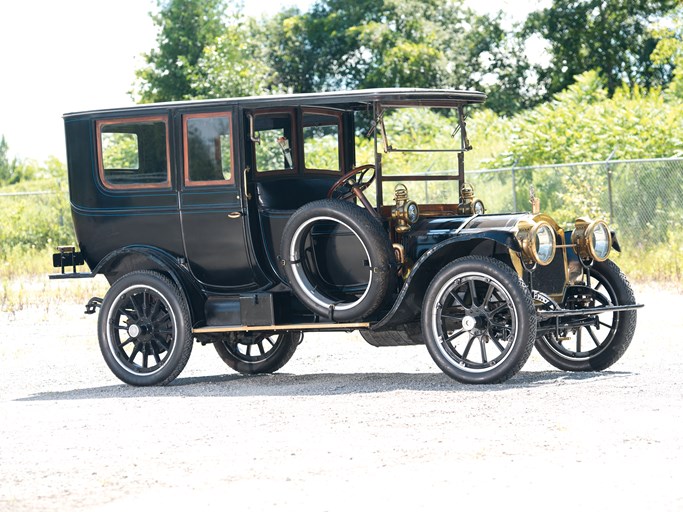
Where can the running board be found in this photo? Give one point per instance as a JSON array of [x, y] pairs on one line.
[[283, 327]]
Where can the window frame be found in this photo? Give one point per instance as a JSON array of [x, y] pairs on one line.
[[340, 139], [128, 120], [291, 112], [186, 156]]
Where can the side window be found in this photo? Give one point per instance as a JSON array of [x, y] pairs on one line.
[[208, 149], [275, 151], [321, 141], [133, 153]]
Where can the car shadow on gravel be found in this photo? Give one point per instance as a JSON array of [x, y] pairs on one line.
[[321, 384]]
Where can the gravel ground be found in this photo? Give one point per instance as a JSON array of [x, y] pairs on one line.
[[345, 426]]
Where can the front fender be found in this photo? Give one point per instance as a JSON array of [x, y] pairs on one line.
[[408, 304]]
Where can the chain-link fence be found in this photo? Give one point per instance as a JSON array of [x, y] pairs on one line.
[[643, 199]]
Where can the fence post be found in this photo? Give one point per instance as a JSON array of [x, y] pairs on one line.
[[609, 185], [514, 186]]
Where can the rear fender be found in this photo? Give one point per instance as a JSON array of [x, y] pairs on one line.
[[140, 257], [409, 302]]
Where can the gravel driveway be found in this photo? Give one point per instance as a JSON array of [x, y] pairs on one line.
[[346, 426]]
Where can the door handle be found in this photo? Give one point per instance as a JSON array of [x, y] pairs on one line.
[[234, 215]]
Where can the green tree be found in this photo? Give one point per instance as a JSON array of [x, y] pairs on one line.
[[236, 64], [186, 29], [396, 43], [6, 167], [611, 36], [669, 49]]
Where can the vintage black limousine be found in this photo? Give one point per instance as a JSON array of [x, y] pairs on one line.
[[246, 222]]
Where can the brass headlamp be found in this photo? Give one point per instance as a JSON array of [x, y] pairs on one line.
[[405, 212], [537, 240], [591, 239]]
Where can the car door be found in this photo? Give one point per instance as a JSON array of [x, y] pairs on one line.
[[212, 212]]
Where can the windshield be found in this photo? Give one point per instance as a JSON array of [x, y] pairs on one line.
[[423, 149]]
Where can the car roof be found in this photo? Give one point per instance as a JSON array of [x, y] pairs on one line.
[[340, 99]]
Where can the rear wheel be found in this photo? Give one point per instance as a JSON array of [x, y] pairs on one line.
[[144, 329], [253, 353], [478, 321], [597, 346]]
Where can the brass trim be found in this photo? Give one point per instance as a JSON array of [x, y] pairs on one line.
[[234, 215], [581, 238], [283, 327], [246, 190]]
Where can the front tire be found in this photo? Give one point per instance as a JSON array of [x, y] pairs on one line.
[[144, 329], [595, 348], [253, 353], [478, 321]]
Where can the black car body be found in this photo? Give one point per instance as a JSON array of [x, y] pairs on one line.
[[247, 222]]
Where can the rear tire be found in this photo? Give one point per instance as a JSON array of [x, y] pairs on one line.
[[252, 353], [144, 329]]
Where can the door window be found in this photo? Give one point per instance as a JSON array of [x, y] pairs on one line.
[[208, 149], [321, 141]]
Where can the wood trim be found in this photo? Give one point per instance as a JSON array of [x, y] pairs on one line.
[[186, 157], [283, 327], [127, 120]]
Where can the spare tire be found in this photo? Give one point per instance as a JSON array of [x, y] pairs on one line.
[[338, 260]]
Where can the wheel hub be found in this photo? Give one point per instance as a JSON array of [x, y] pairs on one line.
[[469, 323]]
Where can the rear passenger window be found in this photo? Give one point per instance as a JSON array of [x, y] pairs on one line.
[[208, 149], [133, 153]]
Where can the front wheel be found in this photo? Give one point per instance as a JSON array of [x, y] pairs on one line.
[[478, 321], [252, 353], [144, 329], [597, 346]]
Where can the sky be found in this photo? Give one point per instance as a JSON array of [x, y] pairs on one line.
[[72, 55]]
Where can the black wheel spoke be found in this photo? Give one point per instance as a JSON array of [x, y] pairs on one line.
[[129, 340], [155, 352], [473, 292], [453, 336], [488, 295], [162, 342], [609, 326], [498, 309], [482, 345], [134, 353], [155, 309], [468, 347], [578, 340], [123, 312], [135, 306], [459, 301], [145, 305], [592, 335], [144, 359], [498, 344], [261, 348]]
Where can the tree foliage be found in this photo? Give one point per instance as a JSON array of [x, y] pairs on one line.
[[610, 36], [669, 49], [583, 123], [186, 28]]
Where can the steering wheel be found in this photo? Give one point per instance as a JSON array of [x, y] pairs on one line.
[[356, 180]]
